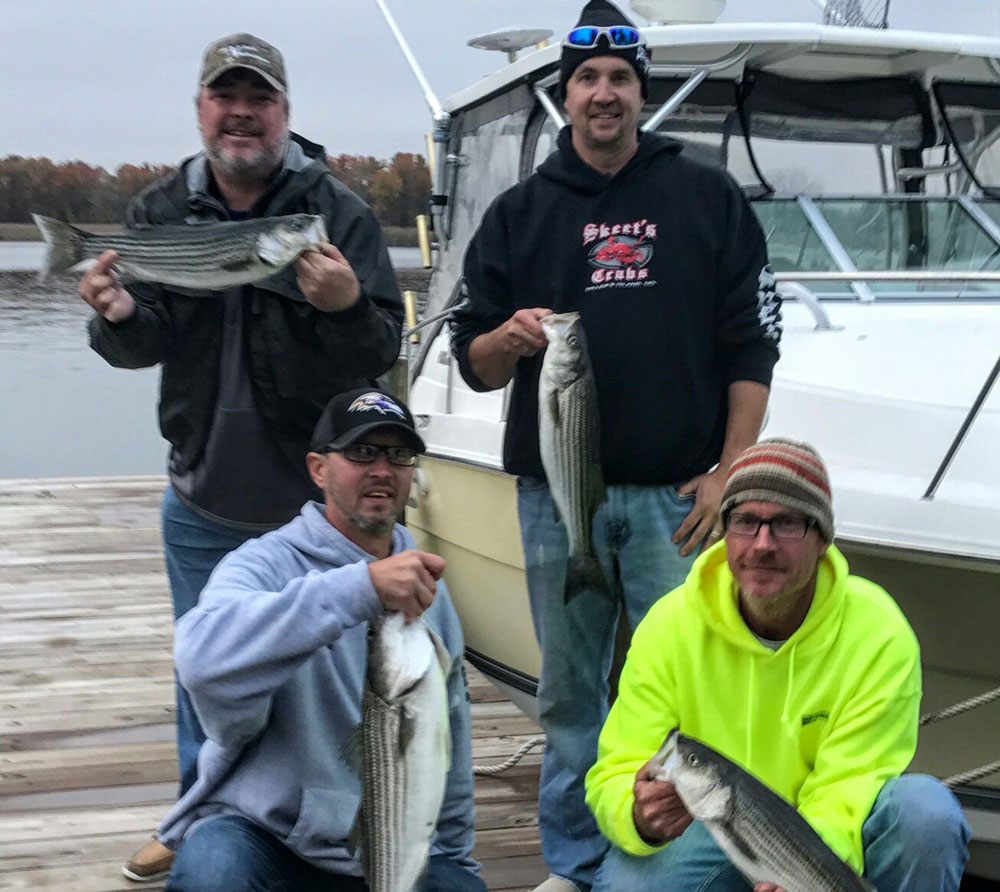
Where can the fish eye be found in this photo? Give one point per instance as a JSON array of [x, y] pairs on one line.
[[692, 760], [571, 340]]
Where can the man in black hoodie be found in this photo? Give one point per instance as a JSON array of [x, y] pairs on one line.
[[666, 263], [246, 372]]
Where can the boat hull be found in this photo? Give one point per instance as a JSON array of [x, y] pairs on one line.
[[468, 515]]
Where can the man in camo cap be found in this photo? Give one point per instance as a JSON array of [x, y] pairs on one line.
[[245, 375]]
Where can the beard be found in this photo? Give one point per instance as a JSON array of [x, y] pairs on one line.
[[373, 526], [246, 168]]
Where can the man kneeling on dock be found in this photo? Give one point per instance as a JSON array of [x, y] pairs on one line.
[[806, 676], [274, 659]]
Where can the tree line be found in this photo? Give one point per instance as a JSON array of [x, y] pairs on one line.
[[397, 190]]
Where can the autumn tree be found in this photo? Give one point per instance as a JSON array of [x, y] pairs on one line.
[[356, 172], [397, 190]]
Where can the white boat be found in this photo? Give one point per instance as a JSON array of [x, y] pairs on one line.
[[867, 153]]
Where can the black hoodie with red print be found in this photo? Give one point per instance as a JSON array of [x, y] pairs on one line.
[[666, 263]]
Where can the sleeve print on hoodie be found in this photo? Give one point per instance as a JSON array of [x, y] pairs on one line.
[[769, 305]]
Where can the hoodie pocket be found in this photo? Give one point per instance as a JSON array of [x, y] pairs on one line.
[[325, 820]]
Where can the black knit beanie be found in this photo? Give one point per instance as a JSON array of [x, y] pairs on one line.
[[604, 14]]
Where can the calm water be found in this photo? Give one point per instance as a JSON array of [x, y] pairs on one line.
[[63, 410]]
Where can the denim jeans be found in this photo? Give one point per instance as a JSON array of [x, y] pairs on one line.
[[631, 537], [231, 854], [192, 546], [915, 840]]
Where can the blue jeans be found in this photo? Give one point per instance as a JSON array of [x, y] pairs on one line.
[[915, 840], [631, 537], [231, 854], [192, 546]]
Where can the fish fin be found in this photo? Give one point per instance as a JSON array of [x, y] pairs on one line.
[[63, 245], [352, 752], [356, 836], [407, 725], [235, 266], [442, 652], [581, 573]]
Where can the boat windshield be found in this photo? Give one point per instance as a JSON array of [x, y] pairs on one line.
[[882, 233], [863, 175]]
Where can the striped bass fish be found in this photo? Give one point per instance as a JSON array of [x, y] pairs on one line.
[[569, 439], [762, 834], [405, 743], [209, 256]]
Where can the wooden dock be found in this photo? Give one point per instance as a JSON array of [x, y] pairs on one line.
[[87, 758]]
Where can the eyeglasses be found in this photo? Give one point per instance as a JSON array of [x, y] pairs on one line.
[[781, 527], [620, 37], [366, 453]]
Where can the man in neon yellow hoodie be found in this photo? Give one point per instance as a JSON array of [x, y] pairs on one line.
[[809, 677]]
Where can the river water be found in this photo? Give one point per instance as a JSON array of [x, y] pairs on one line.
[[64, 412]]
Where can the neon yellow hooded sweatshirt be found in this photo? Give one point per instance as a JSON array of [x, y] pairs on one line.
[[824, 721]]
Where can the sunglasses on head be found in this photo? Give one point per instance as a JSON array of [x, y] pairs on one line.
[[619, 37]]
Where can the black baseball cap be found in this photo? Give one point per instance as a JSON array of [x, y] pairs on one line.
[[349, 415]]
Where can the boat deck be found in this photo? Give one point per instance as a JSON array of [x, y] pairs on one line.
[[87, 758]]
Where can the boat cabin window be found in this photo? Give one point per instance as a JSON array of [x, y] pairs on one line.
[[880, 233]]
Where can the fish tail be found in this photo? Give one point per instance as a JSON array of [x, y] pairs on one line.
[[64, 245], [583, 573]]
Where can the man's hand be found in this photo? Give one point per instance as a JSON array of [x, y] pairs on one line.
[[703, 523], [767, 887], [100, 288], [658, 812], [327, 280], [407, 581], [522, 334], [494, 355]]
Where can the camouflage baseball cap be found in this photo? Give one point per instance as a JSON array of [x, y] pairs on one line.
[[244, 51]]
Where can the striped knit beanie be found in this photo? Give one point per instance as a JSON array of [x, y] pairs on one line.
[[786, 472]]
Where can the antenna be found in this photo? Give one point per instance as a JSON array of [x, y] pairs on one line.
[[510, 40], [432, 101]]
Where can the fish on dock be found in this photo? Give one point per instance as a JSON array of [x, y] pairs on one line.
[[405, 751], [763, 835], [210, 256], [569, 441]]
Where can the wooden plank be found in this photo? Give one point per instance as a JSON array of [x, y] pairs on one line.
[[88, 767]]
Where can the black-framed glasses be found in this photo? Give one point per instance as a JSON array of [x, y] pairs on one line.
[[366, 453], [620, 37], [783, 526]]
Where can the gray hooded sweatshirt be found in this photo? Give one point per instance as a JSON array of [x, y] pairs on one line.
[[274, 658]]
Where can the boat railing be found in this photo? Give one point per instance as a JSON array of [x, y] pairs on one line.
[[795, 283]]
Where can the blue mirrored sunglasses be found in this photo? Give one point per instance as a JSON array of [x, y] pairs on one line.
[[620, 37]]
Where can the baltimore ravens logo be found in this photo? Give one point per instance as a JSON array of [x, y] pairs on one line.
[[376, 402], [620, 251]]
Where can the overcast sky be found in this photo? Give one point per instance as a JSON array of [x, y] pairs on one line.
[[113, 81]]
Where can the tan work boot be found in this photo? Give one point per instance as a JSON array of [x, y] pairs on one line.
[[151, 862]]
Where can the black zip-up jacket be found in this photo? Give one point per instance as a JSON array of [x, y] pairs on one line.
[[297, 356], [667, 265]]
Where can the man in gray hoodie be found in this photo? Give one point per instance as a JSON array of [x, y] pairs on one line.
[[274, 659]]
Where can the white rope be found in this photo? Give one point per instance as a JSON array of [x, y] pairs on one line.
[[521, 752], [959, 708], [974, 774]]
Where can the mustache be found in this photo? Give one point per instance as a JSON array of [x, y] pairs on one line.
[[239, 127]]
